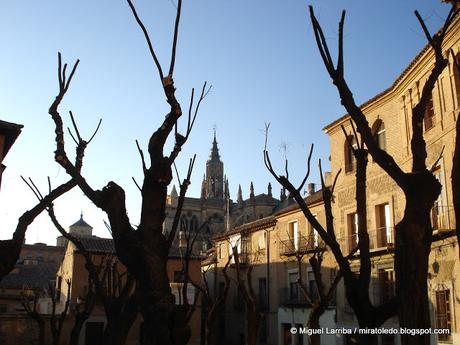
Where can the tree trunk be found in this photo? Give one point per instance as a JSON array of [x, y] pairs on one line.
[[313, 323], [76, 329], [413, 245], [120, 321], [164, 322], [253, 318]]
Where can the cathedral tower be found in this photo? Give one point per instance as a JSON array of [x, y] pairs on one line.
[[214, 181]]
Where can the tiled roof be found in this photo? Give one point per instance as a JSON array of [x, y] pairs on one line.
[[251, 226], [27, 274], [97, 245]]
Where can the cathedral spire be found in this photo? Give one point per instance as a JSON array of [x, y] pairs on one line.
[[214, 149], [214, 173]]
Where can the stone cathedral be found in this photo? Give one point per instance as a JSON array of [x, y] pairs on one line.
[[214, 212]]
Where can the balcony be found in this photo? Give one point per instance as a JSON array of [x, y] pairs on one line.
[[302, 245], [440, 219], [379, 239]]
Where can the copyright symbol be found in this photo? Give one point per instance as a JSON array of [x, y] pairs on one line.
[[293, 330]]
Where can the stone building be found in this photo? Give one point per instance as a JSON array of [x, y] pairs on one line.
[[72, 268], [31, 277], [389, 115], [272, 246]]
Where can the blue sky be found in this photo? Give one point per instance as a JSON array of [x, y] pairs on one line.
[[259, 56]]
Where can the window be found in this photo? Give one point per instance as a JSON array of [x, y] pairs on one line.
[[235, 242], [313, 241], [352, 220], [379, 133], [293, 286], [386, 281], [294, 235], [384, 235], [439, 212], [262, 240], [443, 315], [428, 118], [349, 157], [263, 297]]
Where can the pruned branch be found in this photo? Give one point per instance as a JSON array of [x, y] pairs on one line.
[[149, 42], [183, 190]]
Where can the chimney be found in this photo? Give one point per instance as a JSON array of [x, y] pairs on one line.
[[311, 188]]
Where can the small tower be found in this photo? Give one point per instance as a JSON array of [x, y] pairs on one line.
[[81, 228], [269, 189], [283, 194], [174, 196], [240, 197], [251, 191], [214, 173]]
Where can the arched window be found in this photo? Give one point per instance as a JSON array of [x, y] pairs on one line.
[[379, 133], [349, 157]]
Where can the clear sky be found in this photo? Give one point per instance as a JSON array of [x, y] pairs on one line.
[[259, 56]]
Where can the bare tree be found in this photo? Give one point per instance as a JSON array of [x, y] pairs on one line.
[[245, 287], [212, 302], [322, 296], [106, 283], [57, 323], [10, 249], [356, 283], [143, 251], [30, 304], [414, 231], [82, 311]]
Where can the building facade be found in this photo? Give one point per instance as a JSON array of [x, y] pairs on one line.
[[389, 115], [277, 248]]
